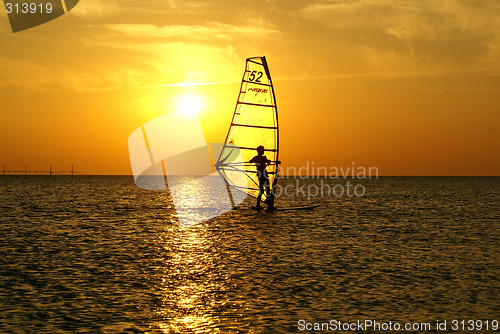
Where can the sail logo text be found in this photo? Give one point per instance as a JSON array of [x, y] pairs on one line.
[[257, 90]]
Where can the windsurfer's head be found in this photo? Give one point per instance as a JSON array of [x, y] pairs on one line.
[[260, 150]]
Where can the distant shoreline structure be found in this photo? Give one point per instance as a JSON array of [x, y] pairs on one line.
[[50, 172], [314, 175]]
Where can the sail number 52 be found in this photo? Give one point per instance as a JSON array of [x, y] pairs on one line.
[[255, 76]]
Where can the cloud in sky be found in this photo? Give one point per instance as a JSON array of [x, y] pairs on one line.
[[96, 8], [416, 38], [22, 74], [196, 50], [128, 55], [216, 32], [113, 43]]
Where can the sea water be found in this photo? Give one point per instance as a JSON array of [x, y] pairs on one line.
[[96, 254]]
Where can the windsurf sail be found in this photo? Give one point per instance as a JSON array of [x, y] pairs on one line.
[[254, 123]]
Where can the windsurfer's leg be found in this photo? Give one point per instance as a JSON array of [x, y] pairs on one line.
[[265, 189], [270, 197], [261, 191]]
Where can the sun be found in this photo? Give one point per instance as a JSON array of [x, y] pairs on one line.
[[189, 104]]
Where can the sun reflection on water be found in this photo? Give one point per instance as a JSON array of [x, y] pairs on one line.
[[190, 282], [193, 284], [198, 199]]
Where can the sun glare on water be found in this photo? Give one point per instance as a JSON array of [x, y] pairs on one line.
[[189, 104]]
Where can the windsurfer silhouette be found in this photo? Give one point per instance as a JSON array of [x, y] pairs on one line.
[[261, 162]]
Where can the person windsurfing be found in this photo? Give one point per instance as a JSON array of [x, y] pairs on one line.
[[261, 162]]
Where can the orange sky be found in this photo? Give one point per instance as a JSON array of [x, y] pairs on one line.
[[412, 89]]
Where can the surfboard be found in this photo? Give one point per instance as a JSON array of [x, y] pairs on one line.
[[302, 207]]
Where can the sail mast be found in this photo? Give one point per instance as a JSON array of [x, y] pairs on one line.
[[277, 122]]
